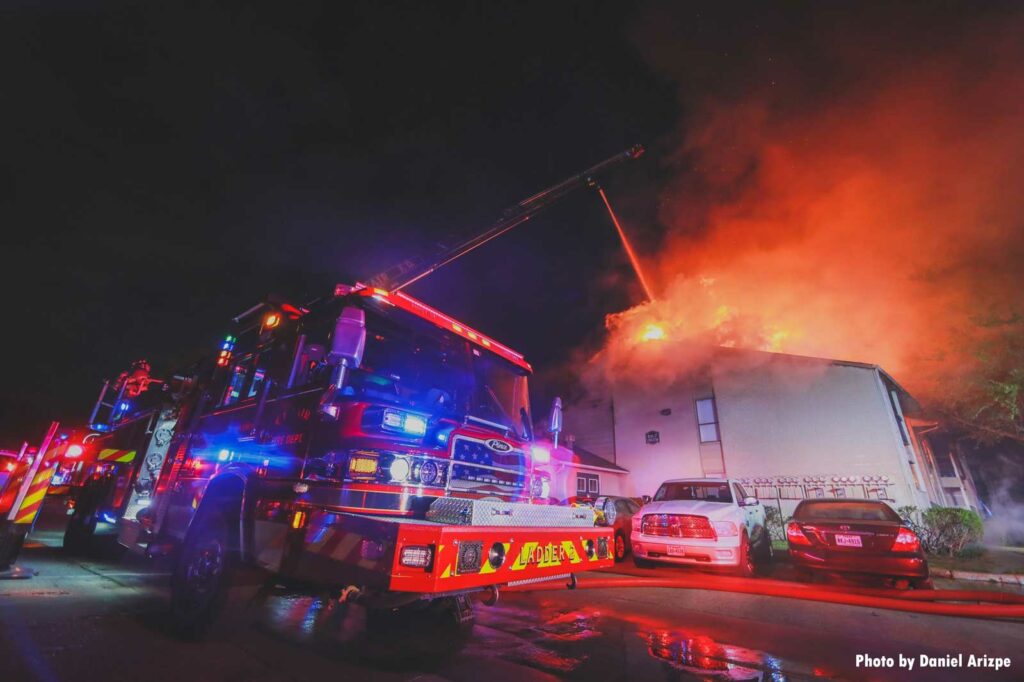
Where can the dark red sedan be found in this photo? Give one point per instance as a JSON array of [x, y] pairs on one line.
[[861, 537]]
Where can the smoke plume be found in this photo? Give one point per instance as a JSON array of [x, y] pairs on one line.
[[858, 198]]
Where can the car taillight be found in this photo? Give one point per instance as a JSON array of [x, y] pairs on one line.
[[795, 534], [906, 541], [416, 556]]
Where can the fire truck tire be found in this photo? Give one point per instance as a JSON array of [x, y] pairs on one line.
[[78, 536], [202, 574]]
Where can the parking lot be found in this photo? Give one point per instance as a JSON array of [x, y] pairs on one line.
[[104, 619]]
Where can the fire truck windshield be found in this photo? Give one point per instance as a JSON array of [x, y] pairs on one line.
[[412, 363]]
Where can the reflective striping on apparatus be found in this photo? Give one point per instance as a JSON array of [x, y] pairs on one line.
[[115, 455]]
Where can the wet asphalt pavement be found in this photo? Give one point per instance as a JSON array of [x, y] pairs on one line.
[[97, 619]]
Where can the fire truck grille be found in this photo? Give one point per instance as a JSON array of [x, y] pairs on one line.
[[478, 468], [678, 526]]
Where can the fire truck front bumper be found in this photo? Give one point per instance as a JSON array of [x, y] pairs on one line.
[[416, 556]]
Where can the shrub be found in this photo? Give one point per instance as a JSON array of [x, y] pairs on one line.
[[950, 529], [944, 530], [774, 522]]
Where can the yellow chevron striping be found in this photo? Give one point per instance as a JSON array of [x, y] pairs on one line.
[[33, 498]]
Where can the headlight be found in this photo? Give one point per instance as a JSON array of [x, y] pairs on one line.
[[399, 469], [725, 529]]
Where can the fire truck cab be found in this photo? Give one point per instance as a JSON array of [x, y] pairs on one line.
[[366, 443]]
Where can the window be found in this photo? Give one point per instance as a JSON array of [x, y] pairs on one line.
[[741, 492], [707, 421], [588, 485], [694, 490]]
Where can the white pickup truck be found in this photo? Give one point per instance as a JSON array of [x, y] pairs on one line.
[[702, 522]]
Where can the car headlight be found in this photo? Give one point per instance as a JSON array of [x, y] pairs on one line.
[[725, 529]]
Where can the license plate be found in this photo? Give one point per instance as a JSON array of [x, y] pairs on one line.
[[676, 551], [848, 540]]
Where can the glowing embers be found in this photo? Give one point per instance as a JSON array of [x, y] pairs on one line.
[[678, 526], [653, 332]]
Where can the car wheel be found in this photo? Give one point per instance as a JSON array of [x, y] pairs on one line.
[[643, 563], [620, 548], [746, 567], [765, 555]]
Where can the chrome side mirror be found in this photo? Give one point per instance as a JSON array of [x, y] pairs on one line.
[[749, 501], [349, 338]]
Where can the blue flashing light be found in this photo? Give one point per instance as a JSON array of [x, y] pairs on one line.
[[406, 422], [108, 517], [124, 407], [223, 455], [443, 435]]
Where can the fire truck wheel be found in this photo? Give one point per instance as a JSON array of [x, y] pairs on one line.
[[78, 535], [210, 596], [620, 547]]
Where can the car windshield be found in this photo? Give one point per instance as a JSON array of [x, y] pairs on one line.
[[846, 511], [686, 490], [412, 363]]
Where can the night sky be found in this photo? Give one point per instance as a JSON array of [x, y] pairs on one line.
[[165, 168]]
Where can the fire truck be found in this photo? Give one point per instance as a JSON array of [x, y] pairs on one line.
[[364, 442]]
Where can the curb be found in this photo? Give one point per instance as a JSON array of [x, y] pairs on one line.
[[1005, 578]]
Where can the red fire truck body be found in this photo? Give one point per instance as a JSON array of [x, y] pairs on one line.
[[368, 441]]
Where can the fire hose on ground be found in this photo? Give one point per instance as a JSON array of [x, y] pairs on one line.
[[988, 604]]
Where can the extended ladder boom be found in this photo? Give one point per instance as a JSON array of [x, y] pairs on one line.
[[414, 269]]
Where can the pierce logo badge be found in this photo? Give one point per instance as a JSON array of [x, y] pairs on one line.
[[498, 445]]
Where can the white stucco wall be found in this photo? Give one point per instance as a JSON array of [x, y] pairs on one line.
[[778, 416]]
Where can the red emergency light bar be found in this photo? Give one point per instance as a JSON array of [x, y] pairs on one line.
[[436, 317]]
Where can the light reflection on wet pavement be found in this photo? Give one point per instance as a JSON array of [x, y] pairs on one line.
[[538, 636]]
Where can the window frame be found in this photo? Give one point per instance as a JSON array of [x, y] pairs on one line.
[[714, 423]]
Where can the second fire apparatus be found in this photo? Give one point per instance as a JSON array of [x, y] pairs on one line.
[[365, 442]]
